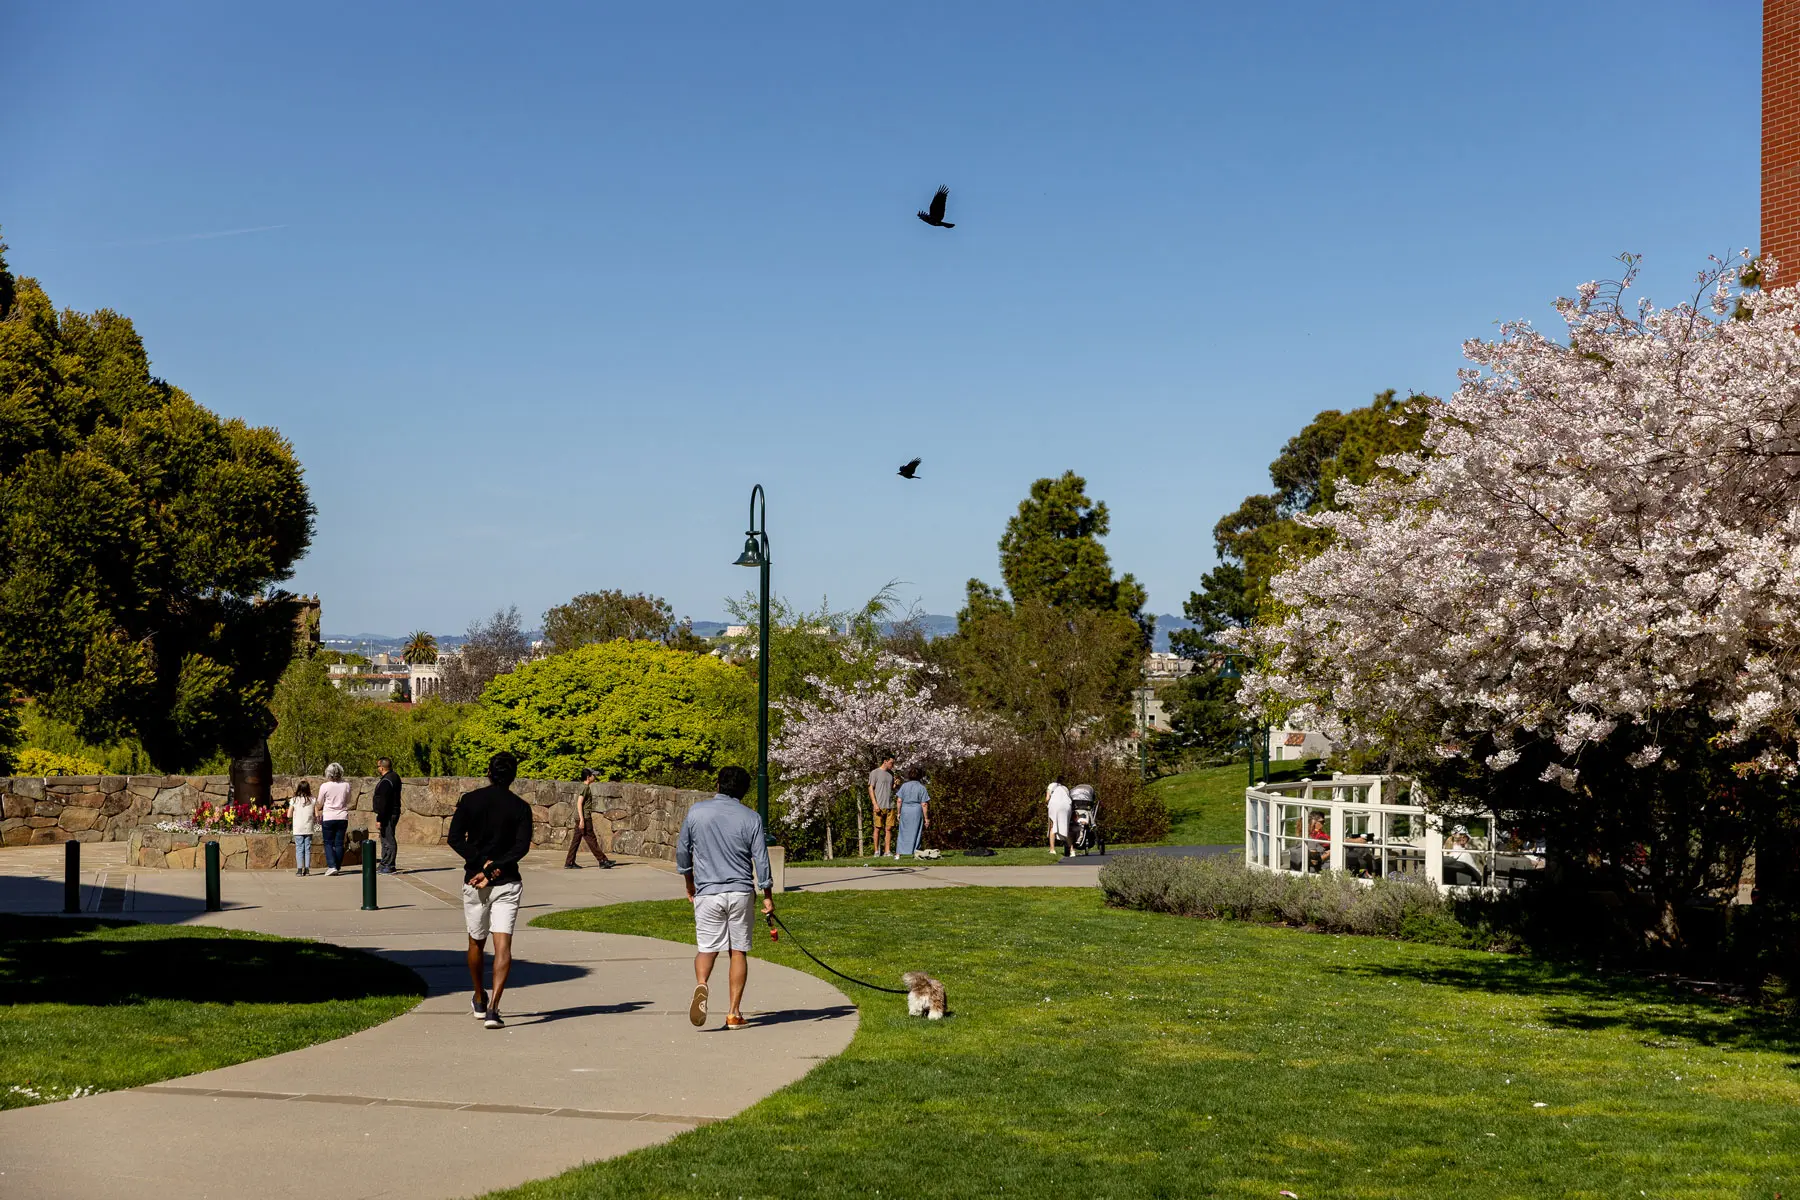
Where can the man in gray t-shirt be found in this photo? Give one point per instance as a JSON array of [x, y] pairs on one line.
[[881, 799]]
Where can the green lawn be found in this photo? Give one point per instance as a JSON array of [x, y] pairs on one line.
[[1016, 856], [91, 1005], [1206, 807], [1095, 1052]]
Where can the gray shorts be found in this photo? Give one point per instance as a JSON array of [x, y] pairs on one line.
[[492, 909]]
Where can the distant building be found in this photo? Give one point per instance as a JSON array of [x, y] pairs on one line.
[[374, 685], [1148, 712], [1288, 744], [424, 679], [1161, 665]]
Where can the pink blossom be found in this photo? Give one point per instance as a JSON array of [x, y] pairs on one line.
[[1597, 534], [828, 746]]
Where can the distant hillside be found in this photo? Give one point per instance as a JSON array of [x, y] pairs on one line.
[[936, 625], [1166, 624]]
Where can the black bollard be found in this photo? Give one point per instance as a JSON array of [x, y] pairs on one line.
[[368, 870], [72, 876], [212, 877]]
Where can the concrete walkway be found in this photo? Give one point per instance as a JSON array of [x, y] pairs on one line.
[[597, 1058]]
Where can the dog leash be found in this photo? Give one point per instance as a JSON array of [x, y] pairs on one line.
[[802, 949]]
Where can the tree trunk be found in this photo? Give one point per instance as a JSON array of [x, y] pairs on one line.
[[859, 833], [828, 853]]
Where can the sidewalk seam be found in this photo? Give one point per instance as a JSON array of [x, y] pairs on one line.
[[529, 1110]]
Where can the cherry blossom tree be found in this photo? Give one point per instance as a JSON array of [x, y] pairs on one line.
[[1585, 583], [829, 744]]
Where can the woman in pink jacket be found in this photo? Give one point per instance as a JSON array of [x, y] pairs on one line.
[[334, 816]]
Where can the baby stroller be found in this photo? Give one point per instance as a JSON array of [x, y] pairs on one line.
[[1085, 833]]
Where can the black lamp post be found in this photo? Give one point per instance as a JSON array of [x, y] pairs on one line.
[[756, 554]]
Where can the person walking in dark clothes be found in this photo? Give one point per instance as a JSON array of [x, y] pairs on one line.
[[491, 832], [387, 812], [584, 825]]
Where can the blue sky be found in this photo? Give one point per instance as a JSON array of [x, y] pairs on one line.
[[544, 293]]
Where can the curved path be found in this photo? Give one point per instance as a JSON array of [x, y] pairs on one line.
[[597, 1058]]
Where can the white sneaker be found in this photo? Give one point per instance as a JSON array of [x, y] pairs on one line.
[[332, 871]]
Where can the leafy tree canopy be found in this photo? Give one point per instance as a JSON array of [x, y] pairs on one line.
[[1334, 449], [631, 710], [319, 724], [606, 617], [1051, 551], [1261, 536], [1056, 651], [1058, 675], [140, 536]]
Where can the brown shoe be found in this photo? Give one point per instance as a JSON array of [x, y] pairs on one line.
[[697, 1008], [735, 1022]]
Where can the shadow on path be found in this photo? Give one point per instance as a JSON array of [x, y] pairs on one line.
[[579, 1010], [90, 961], [789, 1016], [431, 963]]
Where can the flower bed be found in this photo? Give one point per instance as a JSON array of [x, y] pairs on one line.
[[238, 818]]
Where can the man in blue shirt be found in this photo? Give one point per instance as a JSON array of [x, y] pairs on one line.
[[723, 856]]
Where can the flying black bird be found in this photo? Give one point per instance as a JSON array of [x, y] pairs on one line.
[[936, 215], [906, 472]]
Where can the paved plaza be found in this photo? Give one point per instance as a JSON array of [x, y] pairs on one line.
[[597, 1057]]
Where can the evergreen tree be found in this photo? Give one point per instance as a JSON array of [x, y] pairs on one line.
[[1051, 551], [141, 539]]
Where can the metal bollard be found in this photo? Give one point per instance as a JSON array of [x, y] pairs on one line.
[[368, 870], [72, 876], [212, 877]]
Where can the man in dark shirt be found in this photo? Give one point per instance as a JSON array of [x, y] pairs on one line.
[[491, 831], [387, 812]]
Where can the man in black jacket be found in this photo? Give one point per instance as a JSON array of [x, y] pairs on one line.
[[387, 812], [491, 831]]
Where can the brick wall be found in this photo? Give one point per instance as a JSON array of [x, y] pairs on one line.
[[1781, 137], [636, 818]]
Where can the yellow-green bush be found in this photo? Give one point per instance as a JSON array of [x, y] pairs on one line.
[[630, 710], [49, 762]]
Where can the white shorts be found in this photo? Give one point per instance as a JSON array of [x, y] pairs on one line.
[[722, 920], [492, 909]]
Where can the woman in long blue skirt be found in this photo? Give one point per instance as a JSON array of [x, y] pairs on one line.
[[915, 812]]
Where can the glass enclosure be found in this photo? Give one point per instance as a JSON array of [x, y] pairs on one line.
[[1370, 827]]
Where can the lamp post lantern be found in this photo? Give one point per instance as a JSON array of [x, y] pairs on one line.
[[756, 554]]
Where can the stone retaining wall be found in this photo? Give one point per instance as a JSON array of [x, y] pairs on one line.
[[636, 818]]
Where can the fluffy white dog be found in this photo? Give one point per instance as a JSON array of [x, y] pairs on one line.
[[924, 995]]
